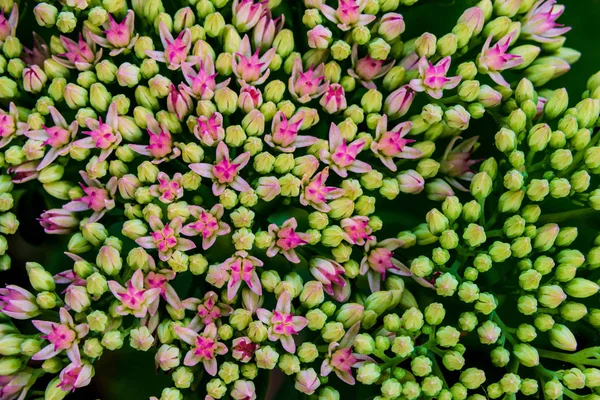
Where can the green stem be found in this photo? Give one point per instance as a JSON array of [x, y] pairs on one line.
[[391, 363], [567, 215]]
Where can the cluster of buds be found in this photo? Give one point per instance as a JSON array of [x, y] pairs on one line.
[[232, 204]]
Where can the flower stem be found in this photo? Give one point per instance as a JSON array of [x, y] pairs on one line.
[[567, 215]]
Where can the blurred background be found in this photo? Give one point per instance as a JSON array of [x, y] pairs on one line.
[[130, 375]]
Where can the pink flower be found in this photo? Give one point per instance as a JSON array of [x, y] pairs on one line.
[[432, 78], [367, 69], [242, 349], [250, 98], [340, 358], [118, 37], [58, 221], [165, 238], [266, 29], [8, 27], [282, 323], [249, 68], [176, 50], [205, 347], [379, 260], [495, 58], [243, 390], [18, 303], [356, 230], [202, 85], [307, 381], [284, 135], [246, 13], [305, 86], [208, 224], [134, 298], [348, 14], [160, 145], [179, 101], [58, 137], [103, 136], [319, 37], [98, 197], [75, 375], [62, 336], [16, 386], [224, 172], [209, 310], [80, 55], [38, 53], [315, 193], [456, 162], [10, 127], [160, 280], [242, 267], [210, 131], [286, 239], [334, 99], [540, 22], [388, 145], [342, 156], [167, 190], [331, 274]]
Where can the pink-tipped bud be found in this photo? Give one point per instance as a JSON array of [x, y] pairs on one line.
[[250, 98], [58, 221], [334, 99], [246, 13], [179, 102], [18, 303], [398, 102], [391, 26], [319, 37]]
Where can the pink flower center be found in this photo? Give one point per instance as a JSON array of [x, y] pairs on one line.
[[61, 336], [307, 83], [392, 144], [348, 12], [203, 83], [205, 348], [103, 136], [288, 239], [160, 144], [4, 28], [380, 259], [96, 198], [225, 171], [367, 68], [285, 133], [206, 225], [208, 127], [58, 137], [246, 348], [242, 269], [315, 192], [344, 155], [69, 377], [169, 189], [435, 77], [177, 51], [208, 310], [358, 231], [164, 239], [343, 360], [249, 69], [157, 281], [132, 298], [283, 323], [118, 35]]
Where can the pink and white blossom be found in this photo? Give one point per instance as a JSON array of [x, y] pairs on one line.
[[118, 36], [160, 147], [160, 280], [207, 224], [331, 274], [334, 99], [341, 156], [10, 127], [250, 68], [286, 239], [134, 298], [315, 193], [367, 69], [98, 197], [63, 336], [225, 171], [75, 375], [266, 29], [391, 144], [205, 347], [348, 14], [242, 268], [432, 78], [209, 310], [379, 260], [305, 86], [165, 238], [246, 13], [456, 162], [340, 358], [102, 135], [168, 190], [284, 133], [81, 55], [18, 303], [357, 230], [494, 59], [282, 323], [209, 130], [201, 84], [539, 23], [8, 26], [176, 50]]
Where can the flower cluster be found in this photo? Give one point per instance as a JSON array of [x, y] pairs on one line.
[[299, 192]]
